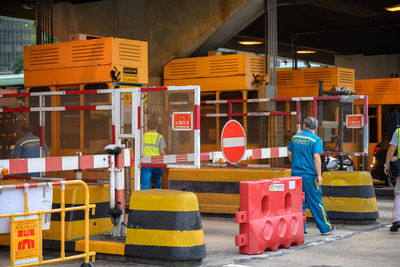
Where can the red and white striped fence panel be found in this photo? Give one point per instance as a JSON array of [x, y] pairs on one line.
[[68, 108], [68, 163], [262, 100], [83, 92], [250, 114], [49, 164], [215, 157]]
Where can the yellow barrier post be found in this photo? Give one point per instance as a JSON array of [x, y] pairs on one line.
[[32, 228]]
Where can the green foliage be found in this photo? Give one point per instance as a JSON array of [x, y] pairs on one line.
[[18, 65]]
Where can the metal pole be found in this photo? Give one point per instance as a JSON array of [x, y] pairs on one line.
[[78, 172], [298, 116], [51, 22], [119, 229], [294, 50], [41, 126], [266, 39], [112, 157], [196, 127], [136, 130], [366, 135], [38, 25]]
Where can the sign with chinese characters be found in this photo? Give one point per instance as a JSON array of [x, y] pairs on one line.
[[182, 121], [26, 241], [355, 121], [130, 75]]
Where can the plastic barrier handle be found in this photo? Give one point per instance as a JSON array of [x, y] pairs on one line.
[[241, 217], [241, 240]]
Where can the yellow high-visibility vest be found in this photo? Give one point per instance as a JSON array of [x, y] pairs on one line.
[[151, 142], [398, 142]]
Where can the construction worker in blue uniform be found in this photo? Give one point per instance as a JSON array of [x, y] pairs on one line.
[[304, 153], [28, 146], [394, 168], [153, 145]]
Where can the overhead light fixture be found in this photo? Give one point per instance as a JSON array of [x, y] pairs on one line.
[[393, 8], [306, 51], [250, 42]]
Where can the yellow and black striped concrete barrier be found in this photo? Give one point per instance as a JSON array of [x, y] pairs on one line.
[[165, 225], [100, 222], [349, 195], [218, 188]]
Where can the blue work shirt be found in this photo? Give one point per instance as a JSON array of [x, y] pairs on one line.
[[303, 147], [28, 147]]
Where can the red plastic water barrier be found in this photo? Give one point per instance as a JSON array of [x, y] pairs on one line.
[[270, 215]]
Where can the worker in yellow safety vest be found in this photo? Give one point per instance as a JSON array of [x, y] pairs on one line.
[[153, 145], [393, 169]]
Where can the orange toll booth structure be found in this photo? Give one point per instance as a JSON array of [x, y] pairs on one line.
[[383, 105], [231, 89], [80, 66], [229, 83]]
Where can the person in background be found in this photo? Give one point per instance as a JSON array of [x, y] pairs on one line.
[[28, 146], [304, 154], [394, 143], [153, 145]]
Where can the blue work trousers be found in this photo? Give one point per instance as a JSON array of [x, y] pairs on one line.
[[147, 173], [313, 199]]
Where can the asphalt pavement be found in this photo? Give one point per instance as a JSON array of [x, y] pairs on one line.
[[350, 245]]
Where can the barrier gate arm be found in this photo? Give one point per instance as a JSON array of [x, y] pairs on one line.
[[86, 208], [169, 161]]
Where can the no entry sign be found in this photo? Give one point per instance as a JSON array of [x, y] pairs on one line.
[[233, 141]]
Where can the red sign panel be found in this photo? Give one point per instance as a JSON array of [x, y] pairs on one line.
[[355, 121], [233, 142], [182, 121], [26, 241]]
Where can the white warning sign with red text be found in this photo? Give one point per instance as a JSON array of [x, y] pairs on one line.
[[355, 121], [233, 142], [182, 121]]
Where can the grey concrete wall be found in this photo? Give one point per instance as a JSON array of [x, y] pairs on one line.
[[371, 67], [173, 28]]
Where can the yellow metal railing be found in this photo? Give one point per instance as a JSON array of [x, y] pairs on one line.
[[33, 226]]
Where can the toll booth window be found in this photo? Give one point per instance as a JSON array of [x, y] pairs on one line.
[[33, 101], [9, 122], [390, 120], [96, 123], [208, 129], [253, 132], [180, 141], [373, 125], [348, 134], [236, 107], [70, 122]]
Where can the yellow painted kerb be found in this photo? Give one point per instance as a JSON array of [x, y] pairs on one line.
[[164, 238], [105, 247], [350, 204]]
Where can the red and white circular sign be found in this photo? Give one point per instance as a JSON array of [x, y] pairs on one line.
[[233, 142]]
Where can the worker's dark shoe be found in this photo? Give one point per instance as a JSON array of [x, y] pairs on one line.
[[331, 231], [395, 226]]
